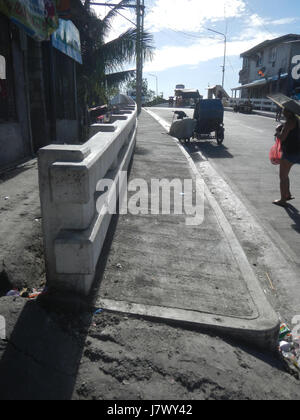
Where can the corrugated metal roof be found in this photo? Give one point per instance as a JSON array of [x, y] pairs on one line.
[[268, 43]]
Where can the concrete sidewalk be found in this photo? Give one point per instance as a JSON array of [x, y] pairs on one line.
[[159, 267]]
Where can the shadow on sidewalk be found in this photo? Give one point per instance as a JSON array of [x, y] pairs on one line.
[[44, 349], [43, 354], [12, 172], [294, 214], [210, 149]]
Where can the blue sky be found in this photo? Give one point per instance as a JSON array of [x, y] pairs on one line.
[[186, 52]]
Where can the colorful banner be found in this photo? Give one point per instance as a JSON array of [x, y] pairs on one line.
[[37, 18], [67, 40]]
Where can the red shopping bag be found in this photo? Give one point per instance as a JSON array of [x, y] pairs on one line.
[[276, 153]]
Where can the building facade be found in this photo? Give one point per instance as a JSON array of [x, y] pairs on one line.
[[268, 68], [38, 84]]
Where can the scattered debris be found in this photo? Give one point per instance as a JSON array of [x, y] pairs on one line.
[[289, 350], [284, 331], [13, 293], [98, 311], [270, 281], [25, 293]]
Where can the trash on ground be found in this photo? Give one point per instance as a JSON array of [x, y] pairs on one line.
[[14, 292], [98, 311], [25, 293], [284, 331], [289, 349]]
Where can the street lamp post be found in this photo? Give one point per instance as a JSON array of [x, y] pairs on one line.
[[225, 50], [154, 75]]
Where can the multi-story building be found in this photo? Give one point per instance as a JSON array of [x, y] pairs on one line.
[[268, 68]]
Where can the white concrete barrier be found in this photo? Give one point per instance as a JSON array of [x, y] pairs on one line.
[[74, 230]]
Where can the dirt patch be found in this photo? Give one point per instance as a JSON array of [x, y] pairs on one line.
[[21, 248]]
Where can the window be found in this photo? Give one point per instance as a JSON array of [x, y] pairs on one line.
[[7, 96], [273, 55], [2, 67], [259, 60]]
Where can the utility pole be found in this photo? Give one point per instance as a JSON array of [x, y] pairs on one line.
[[225, 51], [156, 77], [139, 5], [139, 54]]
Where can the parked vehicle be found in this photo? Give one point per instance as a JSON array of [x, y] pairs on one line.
[[244, 108], [209, 114]]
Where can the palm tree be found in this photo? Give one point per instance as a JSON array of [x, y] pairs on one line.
[[103, 62]]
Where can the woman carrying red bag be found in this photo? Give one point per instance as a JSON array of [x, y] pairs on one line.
[[288, 134]]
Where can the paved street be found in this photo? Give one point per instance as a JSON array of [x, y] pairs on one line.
[[243, 162], [246, 184], [122, 355]]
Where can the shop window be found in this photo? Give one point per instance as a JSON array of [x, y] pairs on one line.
[[2, 68], [7, 98]]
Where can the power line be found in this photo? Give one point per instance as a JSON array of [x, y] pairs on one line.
[[260, 22]]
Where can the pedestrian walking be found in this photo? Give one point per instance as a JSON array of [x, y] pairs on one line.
[[288, 134]]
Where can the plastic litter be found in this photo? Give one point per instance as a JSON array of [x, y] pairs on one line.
[[14, 292], [284, 331], [98, 311], [34, 294], [289, 349], [26, 294]]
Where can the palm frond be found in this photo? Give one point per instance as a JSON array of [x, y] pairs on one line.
[[114, 11], [115, 79], [123, 48], [103, 63]]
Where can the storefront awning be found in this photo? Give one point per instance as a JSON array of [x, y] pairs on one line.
[[260, 82]]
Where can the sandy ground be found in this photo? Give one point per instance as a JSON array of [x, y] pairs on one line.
[[21, 249], [51, 353]]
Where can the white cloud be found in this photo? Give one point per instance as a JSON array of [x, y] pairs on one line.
[[256, 20], [191, 15], [200, 51]]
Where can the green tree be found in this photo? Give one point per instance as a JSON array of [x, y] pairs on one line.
[[147, 93], [103, 62]]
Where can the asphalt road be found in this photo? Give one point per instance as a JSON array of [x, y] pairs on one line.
[[243, 163]]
